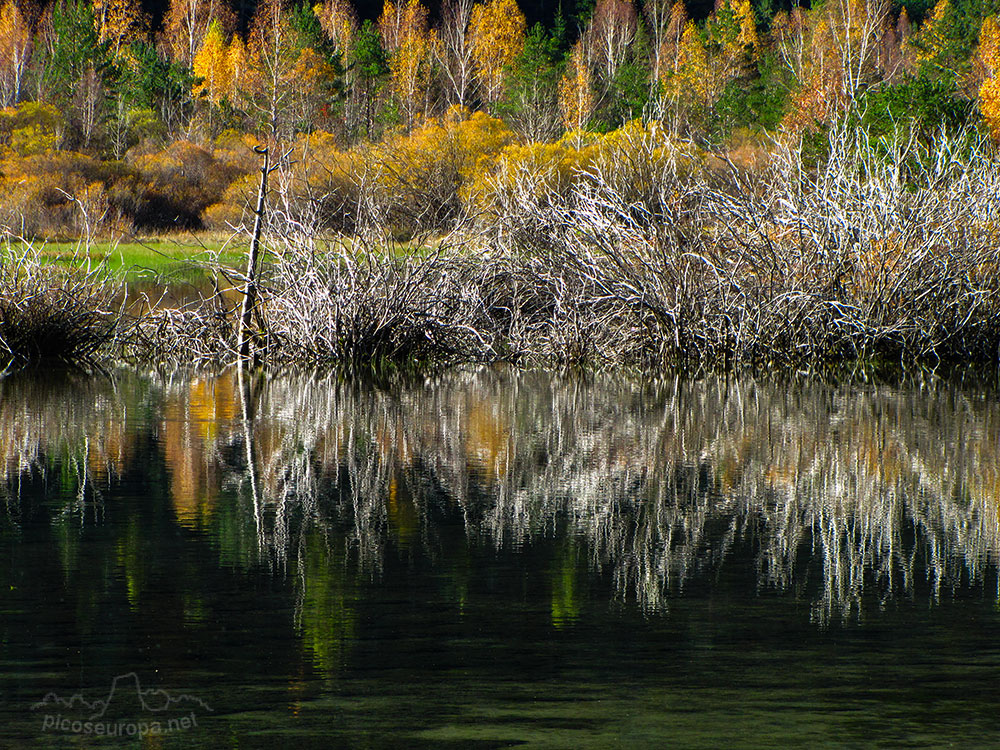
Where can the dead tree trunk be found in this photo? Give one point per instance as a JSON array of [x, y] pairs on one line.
[[250, 293]]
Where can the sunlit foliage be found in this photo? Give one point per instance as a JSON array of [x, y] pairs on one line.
[[497, 29], [15, 49]]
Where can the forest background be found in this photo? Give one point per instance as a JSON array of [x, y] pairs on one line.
[[120, 117]]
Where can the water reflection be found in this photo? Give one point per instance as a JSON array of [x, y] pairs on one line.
[[845, 495]]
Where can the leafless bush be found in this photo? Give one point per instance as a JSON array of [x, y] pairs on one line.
[[49, 314], [657, 256], [885, 250]]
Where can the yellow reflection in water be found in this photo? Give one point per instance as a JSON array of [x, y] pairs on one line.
[[195, 418]]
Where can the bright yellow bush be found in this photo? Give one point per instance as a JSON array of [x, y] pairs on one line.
[[182, 180], [31, 128], [418, 178], [631, 159], [64, 193], [32, 140]]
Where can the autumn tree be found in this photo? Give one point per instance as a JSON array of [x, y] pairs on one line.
[[339, 22], [119, 22], [732, 32], [497, 28], [619, 53], [273, 51], [576, 92], [453, 50], [657, 14], [989, 91], [939, 44], [187, 22], [407, 40], [611, 33], [212, 68], [857, 29], [340, 28], [834, 52], [669, 39], [15, 51], [693, 83]]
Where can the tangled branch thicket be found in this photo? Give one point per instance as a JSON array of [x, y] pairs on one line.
[[654, 255], [52, 315], [651, 254]]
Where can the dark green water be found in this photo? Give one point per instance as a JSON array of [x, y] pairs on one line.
[[489, 559]]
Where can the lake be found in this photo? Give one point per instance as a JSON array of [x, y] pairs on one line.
[[492, 558]]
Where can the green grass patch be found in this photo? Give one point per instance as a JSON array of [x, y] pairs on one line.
[[188, 260]]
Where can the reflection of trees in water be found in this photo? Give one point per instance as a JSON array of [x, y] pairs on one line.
[[881, 489], [875, 489], [74, 422]]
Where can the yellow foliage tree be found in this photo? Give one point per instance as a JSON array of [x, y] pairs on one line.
[[497, 28], [668, 52], [747, 38], [693, 80], [576, 91], [989, 91], [15, 41], [212, 66], [187, 21], [989, 45], [732, 30], [119, 22], [314, 78], [931, 42], [835, 51], [406, 37], [339, 21], [239, 64]]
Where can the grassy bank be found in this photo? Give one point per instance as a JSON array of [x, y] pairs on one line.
[[650, 258], [188, 258]]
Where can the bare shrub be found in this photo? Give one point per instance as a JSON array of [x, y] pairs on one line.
[[644, 251], [51, 315], [879, 252]]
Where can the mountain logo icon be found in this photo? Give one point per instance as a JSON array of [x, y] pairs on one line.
[[126, 709]]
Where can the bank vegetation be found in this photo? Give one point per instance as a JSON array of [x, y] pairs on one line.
[[628, 248]]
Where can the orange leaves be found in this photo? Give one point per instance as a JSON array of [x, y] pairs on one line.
[[15, 41], [835, 51], [576, 92], [406, 37], [212, 65], [497, 29], [989, 92]]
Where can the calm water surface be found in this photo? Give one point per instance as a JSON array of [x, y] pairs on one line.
[[488, 559]]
